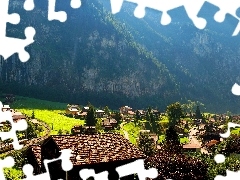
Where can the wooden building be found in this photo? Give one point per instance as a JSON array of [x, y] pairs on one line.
[[191, 148], [72, 110], [109, 123], [101, 152]]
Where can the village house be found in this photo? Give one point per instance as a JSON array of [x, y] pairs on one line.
[[99, 113], [190, 147], [77, 130], [131, 114], [72, 110], [109, 123], [209, 145], [100, 152], [125, 109], [82, 115], [85, 109], [18, 116], [156, 112], [141, 113]]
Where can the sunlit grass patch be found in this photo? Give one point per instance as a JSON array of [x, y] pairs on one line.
[[54, 119]]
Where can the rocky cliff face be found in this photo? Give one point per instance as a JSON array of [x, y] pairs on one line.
[[101, 59], [117, 59]]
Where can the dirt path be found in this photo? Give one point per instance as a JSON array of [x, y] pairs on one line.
[[194, 140]]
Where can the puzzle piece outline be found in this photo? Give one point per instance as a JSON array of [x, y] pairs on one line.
[[66, 166], [8, 45], [16, 126], [192, 8]]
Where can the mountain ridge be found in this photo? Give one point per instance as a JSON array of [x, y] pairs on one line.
[[107, 63]]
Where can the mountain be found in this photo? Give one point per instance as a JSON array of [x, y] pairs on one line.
[[119, 60]]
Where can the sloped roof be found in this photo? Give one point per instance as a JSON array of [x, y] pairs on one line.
[[96, 148], [99, 111], [6, 107], [36, 149], [73, 109], [212, 143], [191, 146], [82, 114], [113, 121]]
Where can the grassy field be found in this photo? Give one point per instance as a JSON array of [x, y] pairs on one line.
[[235, 131], [133, 131], [54, 119], [46, 111]]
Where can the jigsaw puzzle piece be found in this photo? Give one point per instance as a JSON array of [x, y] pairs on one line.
[[230, 175], [209, 11], [226, 7], [8, 162], [137, 167], [116, 6], [66, 166], [29, 5], [28, 171], [12, 134], [5, 17], [179, 15], [87, 173], [60, 15]]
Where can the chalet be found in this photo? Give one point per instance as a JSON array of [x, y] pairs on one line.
[[212, 120], [125, 109], [18, 116], [109, 123], [77, 130], [211, 144], [191, 148], [141, 113], [85, 109], [82, 115], [100, 152], [131, 114], [72, 110], [156, 112], [99, 113]]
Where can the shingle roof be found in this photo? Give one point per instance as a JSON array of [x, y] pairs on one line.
[[96, 148], [36, 149]]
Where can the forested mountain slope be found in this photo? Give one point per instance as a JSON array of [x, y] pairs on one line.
[[94, 57]]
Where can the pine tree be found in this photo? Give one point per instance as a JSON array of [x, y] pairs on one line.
[[198, 113], [31, 131], [106, 110], [172, 141], [146, 144], [33, 115], [90, 119]]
